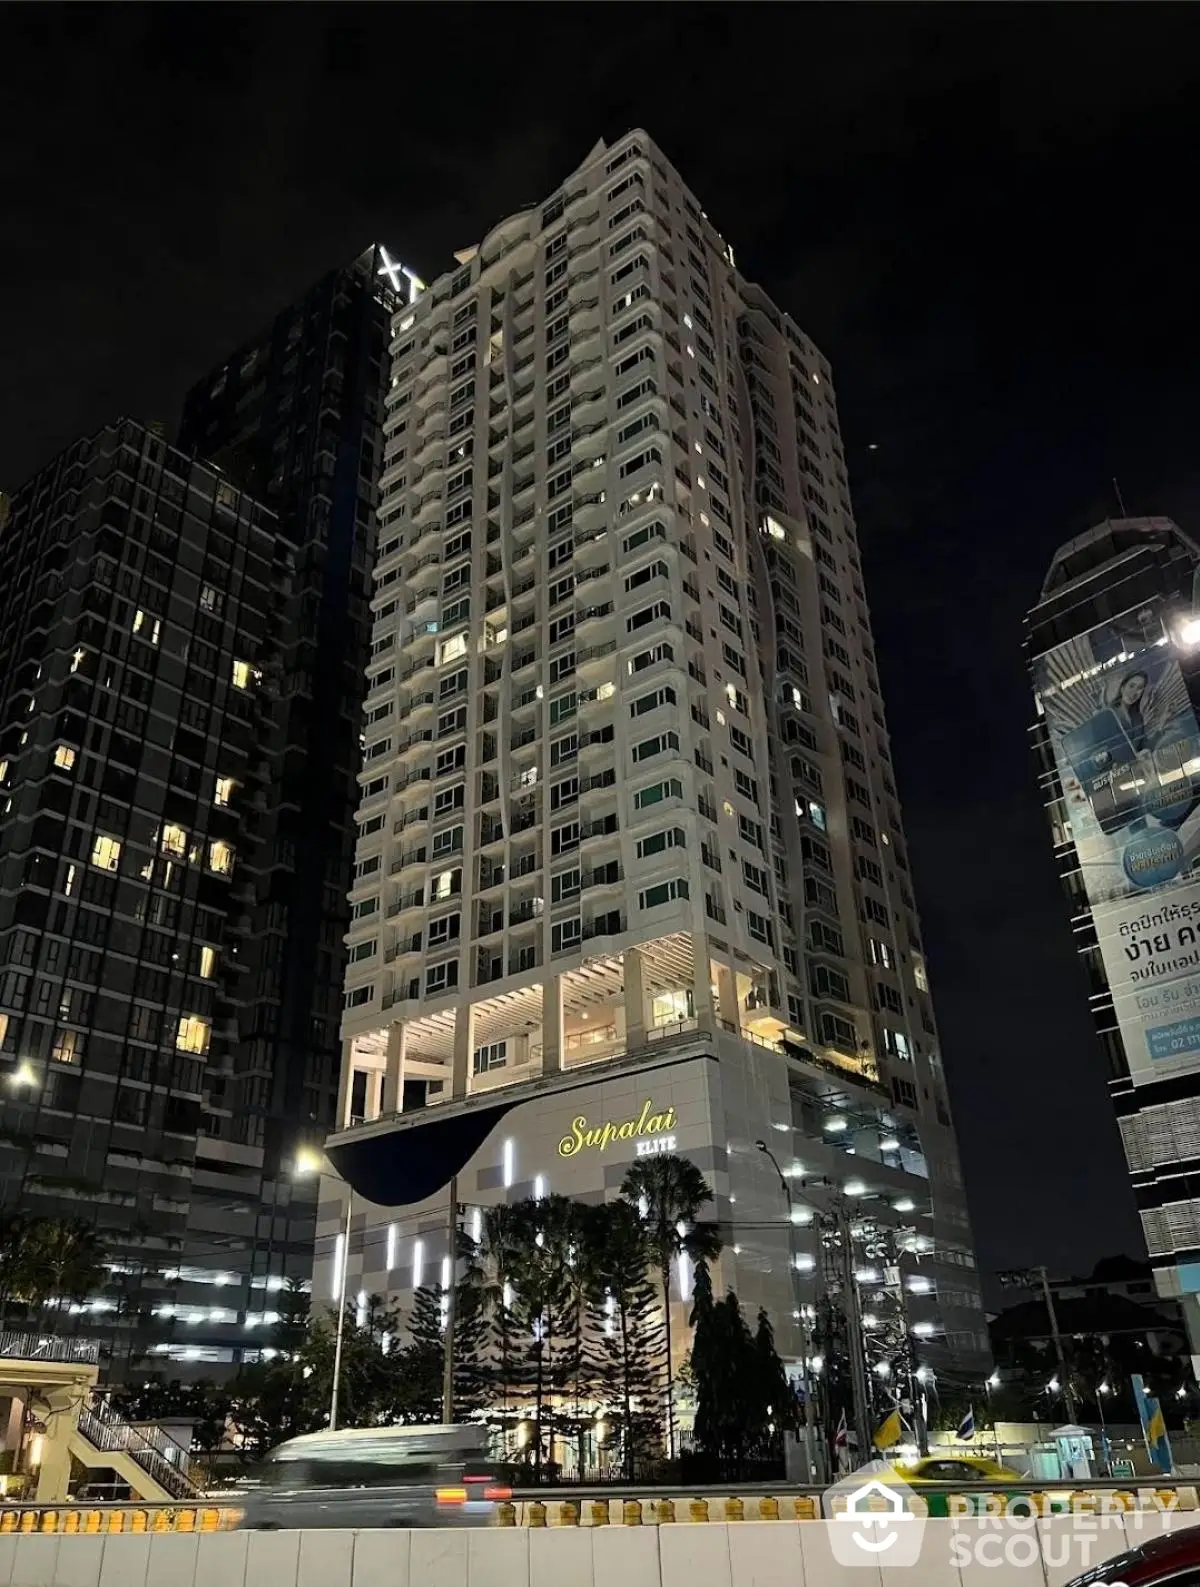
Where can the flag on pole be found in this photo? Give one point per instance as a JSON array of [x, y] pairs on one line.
[[966, 1428], [842, 1437], [889, 1431]]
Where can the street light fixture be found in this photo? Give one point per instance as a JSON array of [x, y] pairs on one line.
[[310, 1162], [805, 1337]]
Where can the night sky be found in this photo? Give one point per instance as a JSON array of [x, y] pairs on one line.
[[985, 217]]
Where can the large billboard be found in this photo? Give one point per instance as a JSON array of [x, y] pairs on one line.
[[1127, 747]]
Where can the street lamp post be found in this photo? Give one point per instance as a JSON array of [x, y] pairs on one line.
[[810, 1440], [310, 1162]]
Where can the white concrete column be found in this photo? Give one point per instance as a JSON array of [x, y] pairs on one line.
[[464, 1047], [552, 1024], [54, 1471], [702, 994], [635, 998], [393, 1077], [345, 1086], [727, 998]]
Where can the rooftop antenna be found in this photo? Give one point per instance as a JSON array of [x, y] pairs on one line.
[[1120, 498]]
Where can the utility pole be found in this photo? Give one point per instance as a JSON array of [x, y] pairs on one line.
[[451, 1299], [915, 1391], [854, 1327], [1068, 1391], [816, 1469]]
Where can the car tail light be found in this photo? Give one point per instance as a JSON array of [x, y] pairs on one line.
[[500, 1495]]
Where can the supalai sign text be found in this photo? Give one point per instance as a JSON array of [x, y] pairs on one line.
[[650, 1130]]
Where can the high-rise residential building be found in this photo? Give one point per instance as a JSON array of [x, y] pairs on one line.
[[143, 605], [295, 416], [1113, 647], [630, 872]]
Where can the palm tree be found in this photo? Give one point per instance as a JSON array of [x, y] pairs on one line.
[[672, 1191], [61, 1260]]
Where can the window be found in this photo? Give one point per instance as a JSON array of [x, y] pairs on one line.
[[563, 708], [755, 878], [660, 611], [652, 701], [220, 857], [106, 852], [562, 667], [449, 841], [653, 570], [492, 1056], [192, 1034], [564, 885], [364, 950], [446, 884], [357, 997], [173, 840], [564, 838], [449, 799], [566, 934], [838, 1032], [660, 842], [366, 867], [64, 757], [663, 893], [827, 982], [564, 749], [658, 745], [759, 928], [364, 908], [241, 674], [564, 793], [441, 977], [444, 929], [208, 961], [450, 760], [651, 657], [670, 788]]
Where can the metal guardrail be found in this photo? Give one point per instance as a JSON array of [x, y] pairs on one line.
[[49, 1347]]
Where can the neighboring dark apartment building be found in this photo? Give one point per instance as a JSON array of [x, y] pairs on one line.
[[182, 652], [143, 605], [294, 416]]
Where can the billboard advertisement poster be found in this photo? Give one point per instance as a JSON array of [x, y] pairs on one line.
[[1127, 748]]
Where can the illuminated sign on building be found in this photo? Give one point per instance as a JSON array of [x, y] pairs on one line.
[[599, 1137], [404, 280], [1127, 746]]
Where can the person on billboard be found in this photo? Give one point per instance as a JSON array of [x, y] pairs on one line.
[[1124, 699]]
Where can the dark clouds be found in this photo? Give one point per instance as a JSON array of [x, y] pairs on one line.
[[984, 215]]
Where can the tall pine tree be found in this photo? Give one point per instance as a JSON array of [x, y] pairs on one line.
[[630, 1325]]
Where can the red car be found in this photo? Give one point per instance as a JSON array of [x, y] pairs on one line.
[[1172, 1560]]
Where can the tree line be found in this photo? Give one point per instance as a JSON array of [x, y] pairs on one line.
[[563, 1336]]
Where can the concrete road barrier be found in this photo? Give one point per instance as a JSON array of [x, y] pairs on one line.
[[1041, 1552]]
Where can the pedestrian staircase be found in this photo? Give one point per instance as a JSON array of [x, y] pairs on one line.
[[151, 1462]]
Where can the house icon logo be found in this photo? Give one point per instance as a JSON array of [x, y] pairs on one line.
[[878, 1519]]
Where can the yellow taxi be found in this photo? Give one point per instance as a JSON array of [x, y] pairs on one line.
[[957, 1468]]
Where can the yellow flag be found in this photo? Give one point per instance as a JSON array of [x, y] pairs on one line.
[[888, 1432]]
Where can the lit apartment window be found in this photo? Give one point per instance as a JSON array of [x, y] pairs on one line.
[[208, 961], [220, 857], [192, 1034], [68, 1047], [211, 599], [106, 852], [64, 757], [241, 674], [173, 840], [224, 791]]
